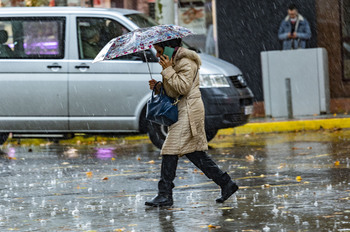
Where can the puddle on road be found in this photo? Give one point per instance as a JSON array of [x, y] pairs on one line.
[[294, 181]]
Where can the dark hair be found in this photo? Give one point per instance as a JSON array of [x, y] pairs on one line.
[[292, 7], [170, 43]]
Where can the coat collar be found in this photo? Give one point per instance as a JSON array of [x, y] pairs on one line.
[[300, 18]]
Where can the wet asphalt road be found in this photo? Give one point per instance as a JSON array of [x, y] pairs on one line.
[[289, 182]]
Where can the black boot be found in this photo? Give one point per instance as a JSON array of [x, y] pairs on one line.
[[165, 185], [212, 171], [228, 187]]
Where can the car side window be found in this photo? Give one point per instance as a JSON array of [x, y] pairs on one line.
[[32, 38], [95, 33]]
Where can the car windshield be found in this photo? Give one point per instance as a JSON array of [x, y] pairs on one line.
[[143, 21]]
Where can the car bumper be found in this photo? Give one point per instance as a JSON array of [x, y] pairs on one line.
[[227, 107]]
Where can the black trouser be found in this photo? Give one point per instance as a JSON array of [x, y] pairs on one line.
[[198, 158]]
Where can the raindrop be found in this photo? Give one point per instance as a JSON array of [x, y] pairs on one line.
[[266, 229], [275, 210], [167, 218], [315, 204], [317, 224], [297, 219], [234, 198], [43, 203], [329, 187], [111, 221], [306, 224], [75, 212]]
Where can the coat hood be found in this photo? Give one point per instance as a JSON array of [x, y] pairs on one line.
[[189, 54]]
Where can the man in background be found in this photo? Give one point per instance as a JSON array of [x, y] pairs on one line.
[[294, 30]]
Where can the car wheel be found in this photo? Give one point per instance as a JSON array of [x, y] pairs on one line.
[[3, 138], [157, 134]]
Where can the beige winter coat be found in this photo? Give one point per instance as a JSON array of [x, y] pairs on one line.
[[187, 134]]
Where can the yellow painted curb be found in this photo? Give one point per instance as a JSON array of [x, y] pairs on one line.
[[287, 126]]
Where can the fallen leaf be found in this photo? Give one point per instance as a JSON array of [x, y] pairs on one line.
[[113, 159], [214, 227], [298, 178], [114, 169], [119, 230], [250, 158], [65, 163], [89, 174], [151, 162], [175, 209], [106, 178], [336, 163], [138, 158]]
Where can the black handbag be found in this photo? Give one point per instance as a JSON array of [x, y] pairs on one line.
[[161, 108]]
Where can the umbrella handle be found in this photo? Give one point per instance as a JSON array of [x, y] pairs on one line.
[[149, 70]]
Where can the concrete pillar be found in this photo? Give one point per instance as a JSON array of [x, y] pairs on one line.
[[165, 11]]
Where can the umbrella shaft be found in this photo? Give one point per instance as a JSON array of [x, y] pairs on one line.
[[149, 70]]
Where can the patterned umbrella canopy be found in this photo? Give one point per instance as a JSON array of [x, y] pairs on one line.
[[139, 40]]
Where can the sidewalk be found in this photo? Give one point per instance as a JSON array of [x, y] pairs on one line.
[[271, 125]]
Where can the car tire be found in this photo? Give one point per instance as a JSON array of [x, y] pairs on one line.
[[3, 138], [157, 134]]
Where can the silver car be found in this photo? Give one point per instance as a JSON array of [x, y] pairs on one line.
[[50, 88]]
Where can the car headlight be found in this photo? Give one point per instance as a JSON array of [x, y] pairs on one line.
[[213, 81]]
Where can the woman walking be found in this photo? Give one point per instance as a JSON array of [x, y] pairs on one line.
[[186, 136]]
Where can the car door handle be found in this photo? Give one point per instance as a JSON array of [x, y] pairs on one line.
[[82, 66], [54, 66]]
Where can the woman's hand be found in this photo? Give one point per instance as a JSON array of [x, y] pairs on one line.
[[165, 62], [152, 83]]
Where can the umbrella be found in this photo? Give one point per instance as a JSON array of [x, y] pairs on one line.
[[140, 40]]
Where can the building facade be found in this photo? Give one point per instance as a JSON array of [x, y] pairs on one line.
[[245, 28]]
